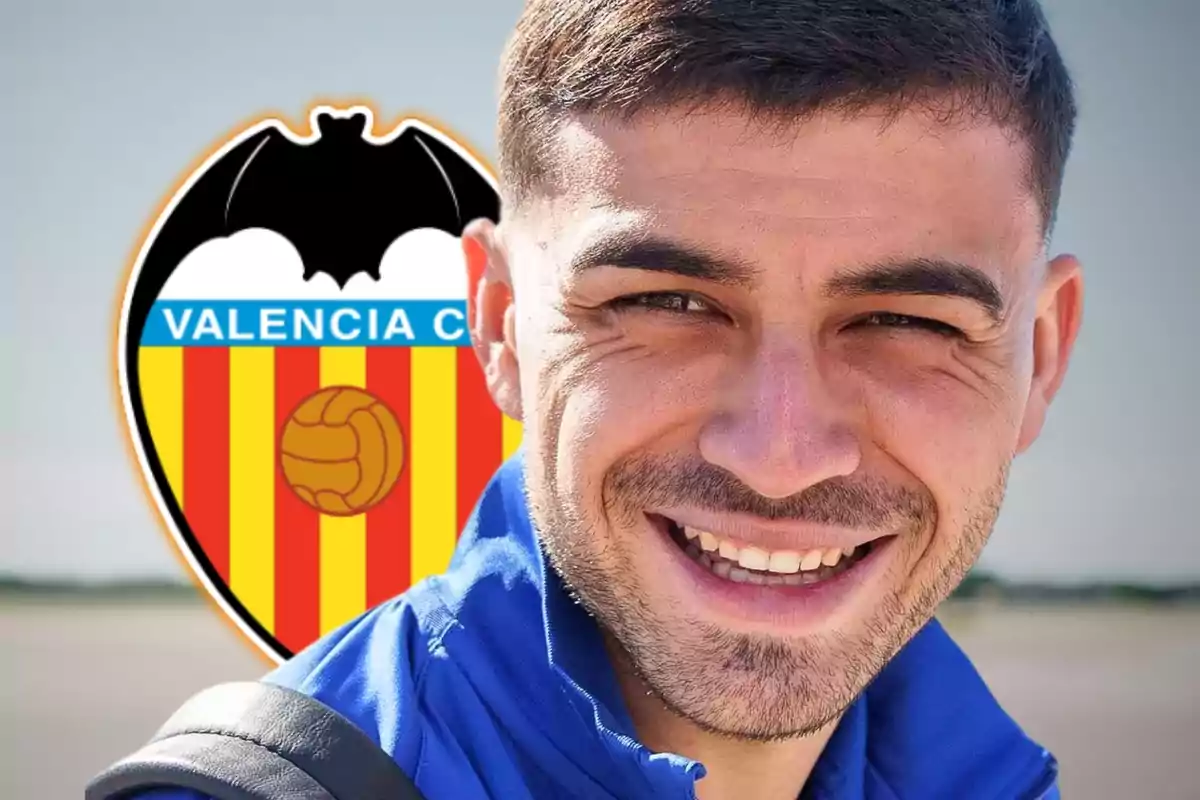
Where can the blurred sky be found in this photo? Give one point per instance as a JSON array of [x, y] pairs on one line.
[[103, 105]]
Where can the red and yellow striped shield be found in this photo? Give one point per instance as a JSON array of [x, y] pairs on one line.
[[314, 449]]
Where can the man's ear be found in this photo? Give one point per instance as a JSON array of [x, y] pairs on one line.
[[1059, 315], [491, 316]]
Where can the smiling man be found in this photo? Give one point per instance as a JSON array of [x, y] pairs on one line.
[[773, 300]]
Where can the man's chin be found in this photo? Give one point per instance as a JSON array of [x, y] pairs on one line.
[[755, 687], [733, 675]]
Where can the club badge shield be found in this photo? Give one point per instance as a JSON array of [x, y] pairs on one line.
[[296, 372]]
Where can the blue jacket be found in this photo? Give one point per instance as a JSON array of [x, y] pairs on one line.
[[488, 682]]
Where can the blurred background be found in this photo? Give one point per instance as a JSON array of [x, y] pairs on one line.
[[1083, 617]]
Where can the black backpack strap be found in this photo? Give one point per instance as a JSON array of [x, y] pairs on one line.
[[258, 741]]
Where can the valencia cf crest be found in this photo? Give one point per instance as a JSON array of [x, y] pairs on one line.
[[296, 371]]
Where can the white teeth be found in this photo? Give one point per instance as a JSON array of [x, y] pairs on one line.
[[749, 564], [754, 558], [811, 560], [784, 561]]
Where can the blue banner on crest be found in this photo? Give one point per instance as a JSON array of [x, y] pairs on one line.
[[307, 323]]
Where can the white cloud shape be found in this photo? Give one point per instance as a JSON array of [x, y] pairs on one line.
[[425, 264], [258, 264]]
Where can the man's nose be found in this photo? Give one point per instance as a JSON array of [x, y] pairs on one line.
[[780, 429]]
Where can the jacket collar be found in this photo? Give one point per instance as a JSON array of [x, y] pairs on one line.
[[927, 726]]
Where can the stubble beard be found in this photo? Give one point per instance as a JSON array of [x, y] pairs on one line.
[[748, 687]]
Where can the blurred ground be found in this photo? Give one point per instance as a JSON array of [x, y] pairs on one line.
[[1113, 691]]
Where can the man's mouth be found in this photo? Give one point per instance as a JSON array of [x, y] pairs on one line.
[[756, 565]]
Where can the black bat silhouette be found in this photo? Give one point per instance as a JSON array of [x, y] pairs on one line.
[[341, 200]]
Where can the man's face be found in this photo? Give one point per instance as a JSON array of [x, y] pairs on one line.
[[771, 384]]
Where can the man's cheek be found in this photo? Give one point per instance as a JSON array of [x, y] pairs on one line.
[[933, 411], [930, 428], [601, 419], [947, 440], [609, 411]]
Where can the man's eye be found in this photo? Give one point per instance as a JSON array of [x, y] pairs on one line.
[[674, 302], [886, 319]]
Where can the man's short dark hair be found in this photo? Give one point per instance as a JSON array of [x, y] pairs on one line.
[[782, 60]]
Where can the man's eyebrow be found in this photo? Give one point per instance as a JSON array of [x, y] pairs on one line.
[[923, 276], [640, 251]]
